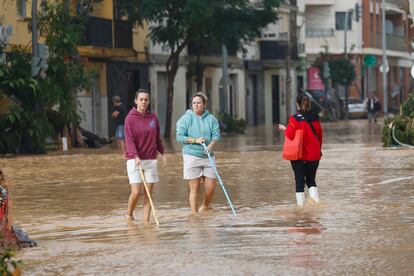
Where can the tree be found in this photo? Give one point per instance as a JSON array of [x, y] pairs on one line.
[[179, 22], [27, 125]]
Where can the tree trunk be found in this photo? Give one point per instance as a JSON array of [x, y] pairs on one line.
[[172, 69], [199, 68]]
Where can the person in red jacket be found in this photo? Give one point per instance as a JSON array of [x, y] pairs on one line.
[[305, 168], [142, 144]]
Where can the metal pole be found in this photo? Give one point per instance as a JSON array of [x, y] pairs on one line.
[[346, 57], [384, 61], [34, 34], [223, 98]]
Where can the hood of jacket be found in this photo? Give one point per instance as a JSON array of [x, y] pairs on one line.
[[134, 112], [191, 113]]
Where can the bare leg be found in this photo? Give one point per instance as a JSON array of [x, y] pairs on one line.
[[209, 185], [147, 205], [121, 146], [194, 187], [133, 198]]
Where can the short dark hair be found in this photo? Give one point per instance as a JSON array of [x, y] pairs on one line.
[[116, 99], [141, 90]]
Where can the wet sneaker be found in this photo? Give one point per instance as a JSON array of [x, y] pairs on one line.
[[129, 219]]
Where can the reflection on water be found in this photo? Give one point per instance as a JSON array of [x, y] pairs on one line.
[[73, 206]]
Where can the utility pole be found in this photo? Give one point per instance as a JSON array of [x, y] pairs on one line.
[[292, 42], [346, 55], [35, 53], [384, 61]]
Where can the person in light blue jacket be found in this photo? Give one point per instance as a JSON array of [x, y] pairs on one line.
[[195, 127]]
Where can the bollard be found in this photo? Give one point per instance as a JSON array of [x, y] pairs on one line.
[[65, 143]]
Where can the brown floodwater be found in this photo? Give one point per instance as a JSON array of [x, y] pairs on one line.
[[73, 206]]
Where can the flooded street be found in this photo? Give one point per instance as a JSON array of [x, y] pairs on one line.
[[73, 206]]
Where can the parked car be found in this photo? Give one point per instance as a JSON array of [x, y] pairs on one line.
[[357, 109]]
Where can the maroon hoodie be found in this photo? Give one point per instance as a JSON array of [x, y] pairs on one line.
[[142, 135]]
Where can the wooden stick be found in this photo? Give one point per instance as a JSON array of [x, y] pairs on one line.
[[149, 195]]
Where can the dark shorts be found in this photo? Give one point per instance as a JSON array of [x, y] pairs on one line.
[[119, 132]]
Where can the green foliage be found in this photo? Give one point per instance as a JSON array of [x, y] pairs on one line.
[[231, 125], [26, 126], [176, 23], [407, 108], [342, 71], [403, 124], [7, 264]]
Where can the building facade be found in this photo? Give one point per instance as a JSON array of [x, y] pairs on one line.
[[325, 26], [112, 48], [272, 68]]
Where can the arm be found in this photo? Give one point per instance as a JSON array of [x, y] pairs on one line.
[[181, 131], [291, 129], [215, 135], [115, 114], [160, 146], [215, 131], [130, 139]]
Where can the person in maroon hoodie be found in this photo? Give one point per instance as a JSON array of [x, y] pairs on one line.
[[142, 144], [305, 168]]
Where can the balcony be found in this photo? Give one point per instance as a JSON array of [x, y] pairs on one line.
[[319, 2], [399, 3], [122, 34], [394, 42], [320, 32], [276, 50], [98, 33]]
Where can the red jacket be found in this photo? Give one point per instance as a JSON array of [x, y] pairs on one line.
[[311, 144], [142, 135]]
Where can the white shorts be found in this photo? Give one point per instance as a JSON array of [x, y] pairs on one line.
[[150, 168], [195, 167]]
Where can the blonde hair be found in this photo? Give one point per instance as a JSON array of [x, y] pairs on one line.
[[202, 96]]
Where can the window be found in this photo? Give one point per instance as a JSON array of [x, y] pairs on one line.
[[340, 21], [21, 8]]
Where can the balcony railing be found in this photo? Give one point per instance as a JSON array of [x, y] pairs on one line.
[[399, 3], [276, 50], [320, 32], [394, 42], [98, 32], [319, 2]]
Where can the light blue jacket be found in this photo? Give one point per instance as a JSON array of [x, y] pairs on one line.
[[191, 125]]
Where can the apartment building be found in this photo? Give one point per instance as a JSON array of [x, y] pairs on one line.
[[111, 47], [325, 26], [272, 74]]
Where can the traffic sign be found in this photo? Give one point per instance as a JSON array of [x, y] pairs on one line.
[[387, 68], [370, 60]]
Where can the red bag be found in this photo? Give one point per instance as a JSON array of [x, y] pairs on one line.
[[293, 149]]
